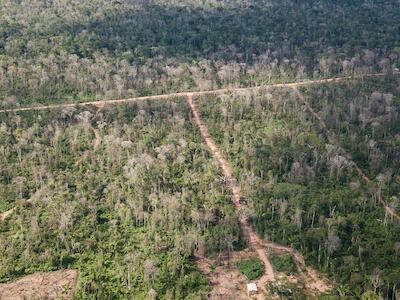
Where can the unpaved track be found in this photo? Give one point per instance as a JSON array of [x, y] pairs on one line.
[[310, 277], [251, 237], [332, 139], [101, 103]]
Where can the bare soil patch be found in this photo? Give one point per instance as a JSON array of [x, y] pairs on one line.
[[50, 285]]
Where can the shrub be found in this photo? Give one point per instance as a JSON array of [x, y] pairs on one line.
[[252, 268], [284, 263]]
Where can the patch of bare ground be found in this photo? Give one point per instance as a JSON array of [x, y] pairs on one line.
[[225, 279], [227, 282], [314, 282], [59, 284], [6, 214]]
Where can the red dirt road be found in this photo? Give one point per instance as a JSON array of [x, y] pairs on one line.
[[101, 103], [252, 238]]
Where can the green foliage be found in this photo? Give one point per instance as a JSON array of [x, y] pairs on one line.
[[62, 51], [283, 263], [298, 195], [252, 268], [286, 290], [125, 195], [369, 296]]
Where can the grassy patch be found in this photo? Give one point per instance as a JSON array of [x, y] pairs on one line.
[[251, 268], [283, 263]]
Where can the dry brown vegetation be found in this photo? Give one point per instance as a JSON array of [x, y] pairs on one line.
[[59, 284]]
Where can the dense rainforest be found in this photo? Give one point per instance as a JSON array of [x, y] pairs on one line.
[[133, 198], [53, 51]]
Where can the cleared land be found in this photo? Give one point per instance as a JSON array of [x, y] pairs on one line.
[[59, 284]]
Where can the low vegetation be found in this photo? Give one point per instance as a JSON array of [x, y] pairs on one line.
[[283, 263], [286, 290], [252, 268]]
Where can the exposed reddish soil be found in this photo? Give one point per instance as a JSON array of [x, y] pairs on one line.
[[225, 280], [59, 284], [250, 236]]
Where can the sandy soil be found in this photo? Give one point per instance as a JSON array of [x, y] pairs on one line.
[[59, 284]]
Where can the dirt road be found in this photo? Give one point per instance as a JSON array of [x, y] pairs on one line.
[[311, 278], [332, 139], [101, 103], [251, 237], [312, 281]]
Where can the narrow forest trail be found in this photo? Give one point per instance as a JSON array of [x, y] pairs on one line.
[[332, 139], [310, 277], [101, 103]]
